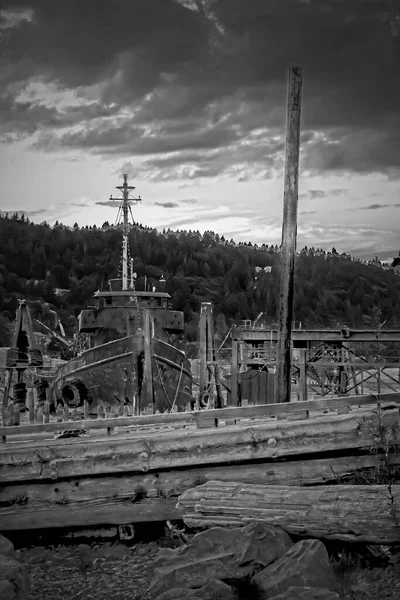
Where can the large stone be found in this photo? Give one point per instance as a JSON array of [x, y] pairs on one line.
[[213, 590], [216, 590], [262, 545], [7, 591], [307, 593], [306, 564], [219, 553], [13, 572], [179, 594], [6, 547]]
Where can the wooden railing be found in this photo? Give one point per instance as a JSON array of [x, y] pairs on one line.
[[199, 419]]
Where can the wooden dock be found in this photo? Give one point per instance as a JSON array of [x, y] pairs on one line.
[[131, 469]]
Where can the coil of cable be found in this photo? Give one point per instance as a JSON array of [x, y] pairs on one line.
[[35, 358], [19, 394]]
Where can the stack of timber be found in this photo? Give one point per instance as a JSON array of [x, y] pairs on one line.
[[131, 469]]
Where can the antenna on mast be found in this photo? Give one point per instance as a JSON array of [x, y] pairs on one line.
[[125, 208]]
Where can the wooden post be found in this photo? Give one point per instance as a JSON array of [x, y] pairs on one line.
[[31, 407], [39, 415], [234, 374], [16, 414], [147, 389], [85, 409], [46, 412], [203, 371], [59, 414], [303, 374], [289, 234], [100, 410], [49, 395], [7, 385]]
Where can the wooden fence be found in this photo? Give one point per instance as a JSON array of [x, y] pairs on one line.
[[68, 419]]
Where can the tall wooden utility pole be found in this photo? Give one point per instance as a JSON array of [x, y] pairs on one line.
[[209, 373], [289, 233]]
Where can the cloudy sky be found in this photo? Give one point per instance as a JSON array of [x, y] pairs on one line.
[[189, 98]]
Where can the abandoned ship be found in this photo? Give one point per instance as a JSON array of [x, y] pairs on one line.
[[130, 357]]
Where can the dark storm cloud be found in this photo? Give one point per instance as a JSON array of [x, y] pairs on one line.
[[133, 140], [208, 76], [365, 150], [78, 42]]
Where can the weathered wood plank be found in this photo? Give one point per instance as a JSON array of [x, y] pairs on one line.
[[27, 505], [262, 410], [365, 513], [112, 422], [91, 513], [138, 453], [289, 235], [274, 410]]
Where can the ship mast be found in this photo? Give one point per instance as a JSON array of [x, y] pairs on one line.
[[125, 207]]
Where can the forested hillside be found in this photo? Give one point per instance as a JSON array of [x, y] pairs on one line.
[[38, 262]]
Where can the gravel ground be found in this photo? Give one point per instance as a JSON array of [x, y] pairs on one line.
[[373, 584], [118, 572], [109, 572]]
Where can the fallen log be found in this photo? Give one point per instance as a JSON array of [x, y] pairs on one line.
[[365, 513]]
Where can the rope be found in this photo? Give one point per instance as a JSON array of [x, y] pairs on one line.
[[162, 383], [226, 337], [177, 389]]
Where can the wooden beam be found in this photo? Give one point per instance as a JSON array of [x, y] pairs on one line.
[[303, 374], [203, 374], [147, 395], [275, 410], [101, 424], [88, 514], [7, 387], [234, 374], [143, 452], [315, 335], [94, 501], [198, 417], [289, 233], [357, 513]]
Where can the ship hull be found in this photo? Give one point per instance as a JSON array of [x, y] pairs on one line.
[[113, 374]]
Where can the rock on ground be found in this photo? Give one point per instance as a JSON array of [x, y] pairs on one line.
[[213, 590], [307, 593], [219, 553], [306, 564], [14, 581]]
